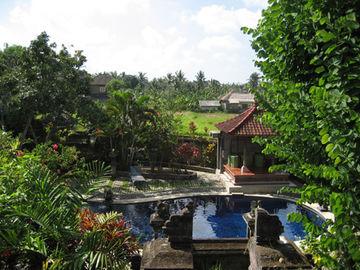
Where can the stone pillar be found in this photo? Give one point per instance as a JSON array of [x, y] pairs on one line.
[[244, 168], [218, 153], [244, 156]]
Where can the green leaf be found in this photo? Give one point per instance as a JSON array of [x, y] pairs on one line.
[[325, 138], [329, 147], [319, 69], [330, 49], [337, 160], [325, 36], [323, 131]]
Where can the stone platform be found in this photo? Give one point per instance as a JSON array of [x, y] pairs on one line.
[[158, 254]]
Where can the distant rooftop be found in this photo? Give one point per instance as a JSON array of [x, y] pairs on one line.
[[101, 79], [235, 97], [209, 103]]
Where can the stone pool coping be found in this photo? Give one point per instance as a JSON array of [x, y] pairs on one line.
[[312, 207], [157, 198]]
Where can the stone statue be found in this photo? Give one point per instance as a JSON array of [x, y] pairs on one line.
[[179, 227], [158, 218], [268, 228]]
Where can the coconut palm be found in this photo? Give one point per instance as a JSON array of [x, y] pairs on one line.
[[200, 79]]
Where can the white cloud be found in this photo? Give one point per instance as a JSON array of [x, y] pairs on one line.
[[226, 42], [217, 19], [152, 36], [256, 3]]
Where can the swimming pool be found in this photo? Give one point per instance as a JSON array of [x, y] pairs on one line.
[[214, 216]]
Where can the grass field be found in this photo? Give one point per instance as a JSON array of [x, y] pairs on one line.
[[202, 121]]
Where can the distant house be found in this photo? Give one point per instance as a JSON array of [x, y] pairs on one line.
[[98, 84], [235, 101], [209, 105]]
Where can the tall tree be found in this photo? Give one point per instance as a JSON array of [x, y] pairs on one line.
[[254, 80], [309, 54], [10, 70], [127, 116], [143, 81], [200, 79], [49, 85]]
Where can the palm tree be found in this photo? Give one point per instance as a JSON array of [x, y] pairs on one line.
[[179, 80], [200, 79], [143, 81], [127, 116], [180, 76]]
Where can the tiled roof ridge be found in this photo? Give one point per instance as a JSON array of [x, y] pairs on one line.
[[242, 117]]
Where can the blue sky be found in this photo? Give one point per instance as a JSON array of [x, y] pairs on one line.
[[151, 36]]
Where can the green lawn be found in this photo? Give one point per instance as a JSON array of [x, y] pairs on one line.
[[201, 120]]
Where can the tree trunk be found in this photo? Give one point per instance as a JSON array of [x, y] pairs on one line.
[[132, 152], [161, 161], [33, 134], [50, 133], [2, 119], [24, 133]]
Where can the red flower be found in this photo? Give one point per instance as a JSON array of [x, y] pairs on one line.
[[196, 152], [55, 146], [19, 153]]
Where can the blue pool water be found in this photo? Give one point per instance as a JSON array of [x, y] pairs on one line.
[[214, 217]]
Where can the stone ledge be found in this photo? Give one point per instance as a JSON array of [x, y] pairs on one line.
[[158, 254]]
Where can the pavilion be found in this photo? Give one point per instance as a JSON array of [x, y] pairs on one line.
[[237, 155]]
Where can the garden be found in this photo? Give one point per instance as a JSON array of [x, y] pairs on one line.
[[60, 148]]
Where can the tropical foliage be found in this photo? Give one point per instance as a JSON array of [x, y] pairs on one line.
[[188, 152], [42, 225], [173, 92], [41, 88], [135, 127], [309, 54]]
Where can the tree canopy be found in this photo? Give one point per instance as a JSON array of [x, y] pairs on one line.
[[309, 54], [40, 82]]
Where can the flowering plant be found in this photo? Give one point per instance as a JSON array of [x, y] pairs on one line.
[[111, 231], [188, 152], [58, 158]]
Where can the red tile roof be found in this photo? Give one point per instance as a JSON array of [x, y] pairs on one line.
[[245, 124]]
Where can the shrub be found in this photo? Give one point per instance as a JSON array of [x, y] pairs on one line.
[[41, 224], [188, 152], [58, 158]]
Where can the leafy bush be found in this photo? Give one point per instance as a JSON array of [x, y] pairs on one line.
[[188, 152], [114, 242], [40, 224], [208, 157], [58, 158]]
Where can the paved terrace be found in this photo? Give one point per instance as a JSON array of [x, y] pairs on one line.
[[125, 193]]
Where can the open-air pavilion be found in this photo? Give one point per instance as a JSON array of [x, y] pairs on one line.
[[237, 155]]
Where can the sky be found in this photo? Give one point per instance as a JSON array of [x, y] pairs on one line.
[[152, 36]]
